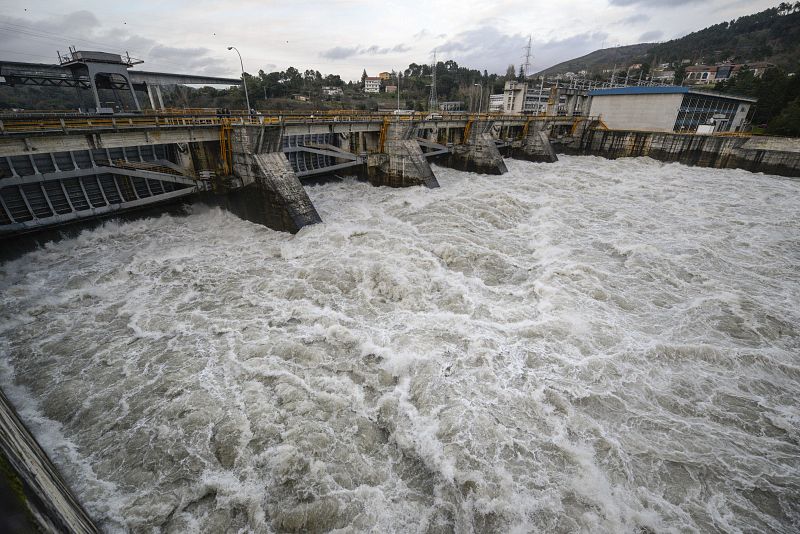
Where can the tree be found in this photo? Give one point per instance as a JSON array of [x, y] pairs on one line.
[[521, 75], [510, 72], [363, 76], [680, 74]]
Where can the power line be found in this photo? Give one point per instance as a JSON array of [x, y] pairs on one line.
[[33, 32], [60, 39], [24, 54]]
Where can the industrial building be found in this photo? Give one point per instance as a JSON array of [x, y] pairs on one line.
[[549, 97], [495, 103], [669, 109]]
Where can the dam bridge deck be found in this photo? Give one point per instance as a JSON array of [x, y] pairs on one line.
[[57, 167]]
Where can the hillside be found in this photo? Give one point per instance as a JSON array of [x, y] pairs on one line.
[[772, 35], [604, 58]]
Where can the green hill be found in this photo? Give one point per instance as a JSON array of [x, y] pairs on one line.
[[605, 58], [771, 35]]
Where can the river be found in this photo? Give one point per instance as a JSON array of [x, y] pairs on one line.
[[585, 346]]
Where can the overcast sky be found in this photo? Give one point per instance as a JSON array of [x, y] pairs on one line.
[[346, 36]]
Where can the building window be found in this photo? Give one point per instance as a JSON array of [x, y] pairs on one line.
[[701, 109]]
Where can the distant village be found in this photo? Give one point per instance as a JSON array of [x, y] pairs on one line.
[[534, 95]]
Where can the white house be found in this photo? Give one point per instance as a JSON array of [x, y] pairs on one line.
[[372, 84]]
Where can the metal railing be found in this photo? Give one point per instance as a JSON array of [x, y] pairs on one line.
[[65, 122]]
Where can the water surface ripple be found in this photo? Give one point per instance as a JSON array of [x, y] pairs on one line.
[[586, 346]]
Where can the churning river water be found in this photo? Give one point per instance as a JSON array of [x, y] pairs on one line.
[[586, 346]]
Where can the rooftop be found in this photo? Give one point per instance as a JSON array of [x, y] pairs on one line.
[[665, 90]]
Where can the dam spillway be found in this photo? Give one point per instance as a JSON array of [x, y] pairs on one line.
[[590, 344]]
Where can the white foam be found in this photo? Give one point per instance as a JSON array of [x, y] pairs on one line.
[[590, 345]]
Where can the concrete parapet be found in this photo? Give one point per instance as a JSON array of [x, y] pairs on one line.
[[36, 497], [479, 154], [402, 164]]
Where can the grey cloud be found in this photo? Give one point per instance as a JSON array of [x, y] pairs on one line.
[[489, 48], [340, 52], [655, 3], [37, 40], [344, 52], [633, 19], [651, 36]]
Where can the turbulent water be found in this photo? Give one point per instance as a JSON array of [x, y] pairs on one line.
[[586, 346]]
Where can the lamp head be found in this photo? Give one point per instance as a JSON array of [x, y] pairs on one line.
[[230, 48]]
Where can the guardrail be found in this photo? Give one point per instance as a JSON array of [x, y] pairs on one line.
[[34, 122]]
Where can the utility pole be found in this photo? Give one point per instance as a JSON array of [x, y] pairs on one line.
[[433, 101], [526, 67], [480, 100], [398, 91]]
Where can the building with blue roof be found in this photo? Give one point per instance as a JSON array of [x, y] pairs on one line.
[[669, 109]]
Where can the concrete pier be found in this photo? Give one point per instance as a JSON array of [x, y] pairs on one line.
[[270, 192], [535, 147], [401, 164], [478, 154]]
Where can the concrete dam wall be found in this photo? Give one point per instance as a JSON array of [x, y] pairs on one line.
[[770, 155], [36, 496]]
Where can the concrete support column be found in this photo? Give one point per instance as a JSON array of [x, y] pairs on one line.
[[402, 164], [572, 103], [555, 96], [535, 147], [276, 198], [150, 96], [93, 84], [272, 194], [587, 104], [133, 94], [158, 95], [479, 153]]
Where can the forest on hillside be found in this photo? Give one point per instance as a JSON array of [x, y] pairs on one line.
[[771, 35]]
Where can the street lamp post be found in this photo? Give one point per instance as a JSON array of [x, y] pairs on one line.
[[398, 91], [480, 101], [244, 82]]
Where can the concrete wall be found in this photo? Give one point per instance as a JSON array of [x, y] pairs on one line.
[[770, 155], [38, 491], [655, 112]]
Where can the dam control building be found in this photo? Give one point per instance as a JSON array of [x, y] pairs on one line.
[[669, 109]]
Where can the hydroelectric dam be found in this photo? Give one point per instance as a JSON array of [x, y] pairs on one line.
[[57, 168]]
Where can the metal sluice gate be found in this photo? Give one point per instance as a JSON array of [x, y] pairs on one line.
[[44, 190]]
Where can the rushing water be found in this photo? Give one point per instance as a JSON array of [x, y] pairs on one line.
[[589, 346]]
